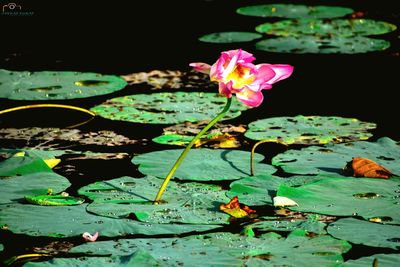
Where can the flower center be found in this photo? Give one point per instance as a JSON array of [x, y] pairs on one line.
[[240, 76]]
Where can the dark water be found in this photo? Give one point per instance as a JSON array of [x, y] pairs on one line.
[[121, 37]]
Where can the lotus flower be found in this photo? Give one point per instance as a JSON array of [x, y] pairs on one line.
[[236, 74]]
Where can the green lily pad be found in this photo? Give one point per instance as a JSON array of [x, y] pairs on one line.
[[229, 37], [69, 221], [267, 224], [13, 164], [51, 85], [317, 45], [384, 260], [366, 233], [192, 203], [332, 158], [294, 11], [201, 164], [54, 200], [166, 108], [227, 249], [320, 28], [15, 188], [365, 197], [309, 130]]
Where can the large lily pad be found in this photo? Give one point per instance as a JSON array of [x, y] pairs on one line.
[[229, 37], [226, 249], [294, 11], [167, 107], [68, 221], [384, 260], [15, 188], [320, 28], [17, 162], [202, 164], [366, 233], [192, 203], [50, 85], [369, 198], [309, 130], [326, 45], [332, 158]]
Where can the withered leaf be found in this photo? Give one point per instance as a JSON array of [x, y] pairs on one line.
[[363, 167], [236, 209]]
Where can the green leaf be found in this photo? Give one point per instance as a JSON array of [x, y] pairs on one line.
[[166, 108], [294, 11], [326, 28], [201, 164], [15, 164], [54, 200], [366, 233], [317, 45], [69, 221], [267, 224], [365, 197], [50, 85], [384, 260], [192, 203], [229, 37], [15, 188], [309, 130], [332, 158]]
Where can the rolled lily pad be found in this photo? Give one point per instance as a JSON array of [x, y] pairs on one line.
[[51, 85], [332, 28], [201, 164], [69, 221], [15, 188], [384, 260], [368, 198], [332, 158], [294, 11], [317, 45], [227, 249], [309, 130], [167, 108], [192, 203], [54, 200], [366, 233], [229, 37]]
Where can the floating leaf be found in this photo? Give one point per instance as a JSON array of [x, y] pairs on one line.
[[267, 224], [201, 164], [235, 209], [54, 200], [294, 11], [384, 260], [366, 233], [50, 85], [283, 202], [307, 130], [229, 37], [326, 28], [331, 158], [317, 45], [167, 108], [19, 165], [368, 198], [362, 167]]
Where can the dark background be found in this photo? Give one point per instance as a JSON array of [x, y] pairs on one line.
[[120, 37]]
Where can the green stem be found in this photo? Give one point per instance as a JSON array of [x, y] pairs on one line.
[[253, 151], [182, 156]]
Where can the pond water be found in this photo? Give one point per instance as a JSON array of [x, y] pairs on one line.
[[119, 38]]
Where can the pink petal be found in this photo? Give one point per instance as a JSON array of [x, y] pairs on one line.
[[224, 89], [282, 71], [90, 238], [250, 98], [201, 67]]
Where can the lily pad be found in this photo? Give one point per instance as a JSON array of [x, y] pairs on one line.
[[229, 37], [192, 203], [309, 130], [54, 200], [69, 221], [327, 28], [326, 45], [227, 249], [14, 164], [294, 11], [201, 164], [366, 233], [384, 260], [368, 198], [51, 85], [167, 108], [267, 224], [332, 158], [15, 188]]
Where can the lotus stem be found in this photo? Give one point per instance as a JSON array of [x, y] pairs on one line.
[[254, 149], [186, 150]]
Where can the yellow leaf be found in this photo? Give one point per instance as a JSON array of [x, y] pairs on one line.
[[52, 162], [19, 154]]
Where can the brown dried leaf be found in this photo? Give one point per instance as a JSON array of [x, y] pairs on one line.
[[236, 209], [363, 167]]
